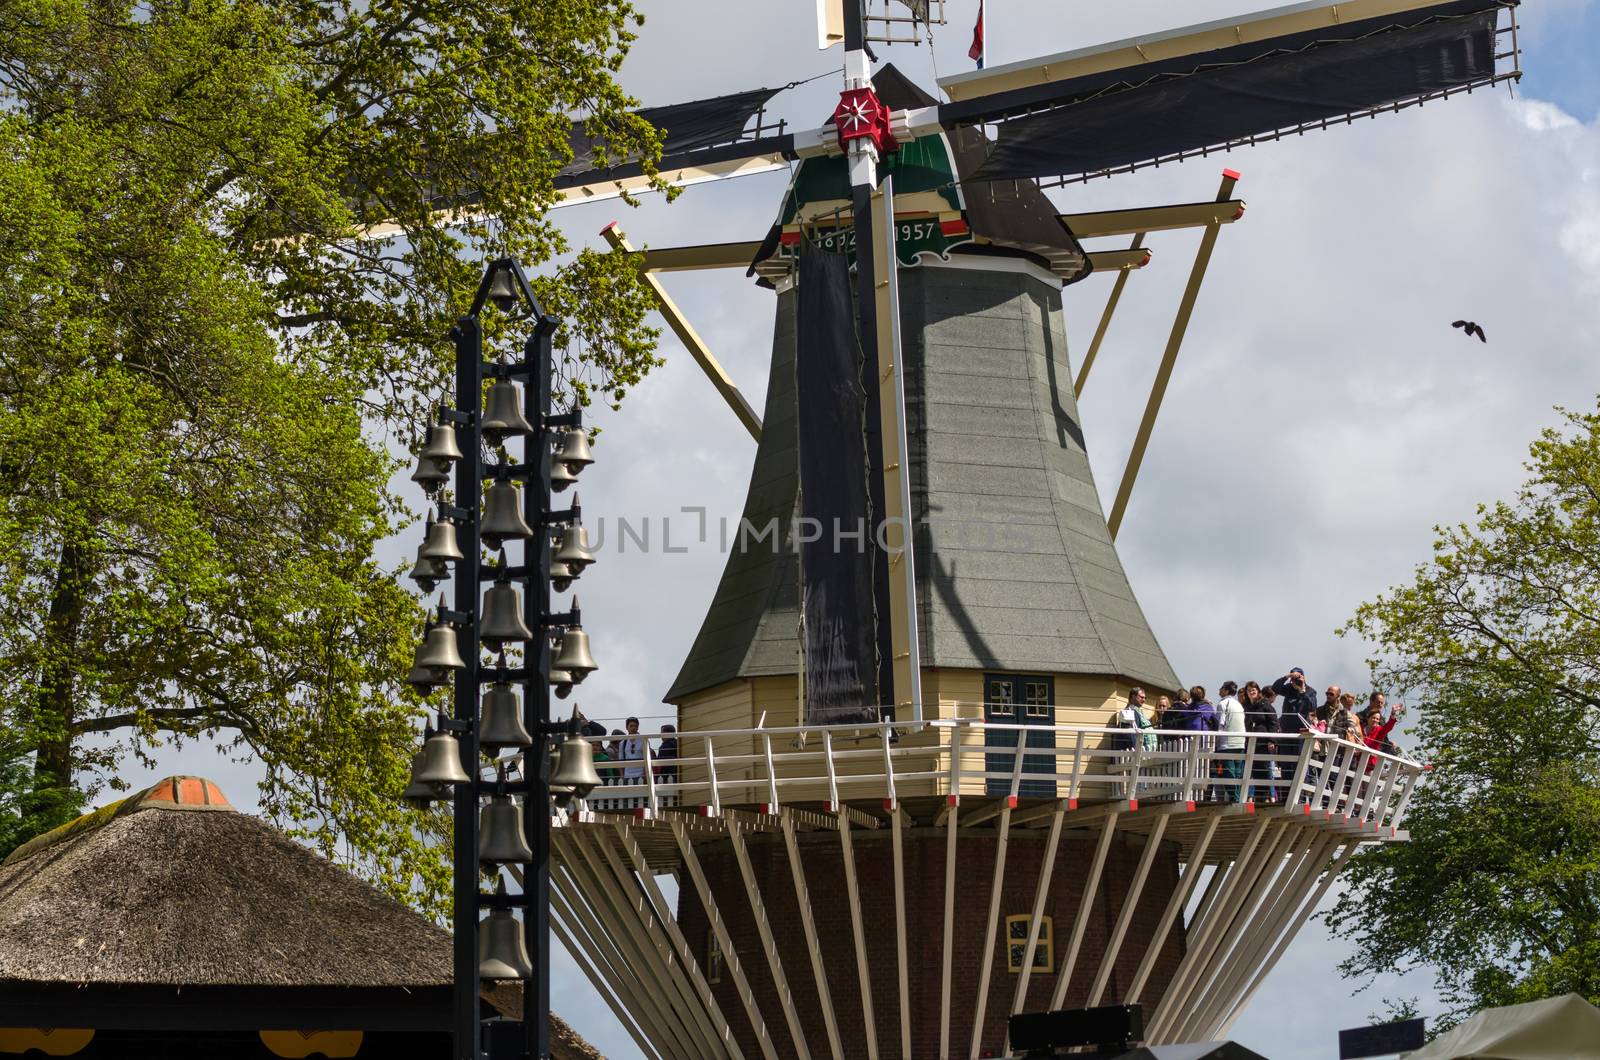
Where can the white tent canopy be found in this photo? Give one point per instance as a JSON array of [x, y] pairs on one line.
[[1557, 1028]]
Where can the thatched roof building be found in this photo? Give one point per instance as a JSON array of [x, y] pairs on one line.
[[170, 923]]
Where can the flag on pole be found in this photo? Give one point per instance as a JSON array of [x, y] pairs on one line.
[[975, 53]]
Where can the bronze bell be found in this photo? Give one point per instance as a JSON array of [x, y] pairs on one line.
[[440, 542], [573, 655], [438, 650], [441, 446], [574, 451], [503, 291], [560, 477], [500, 725], [574, 550], [502, 953], [502, 515], [502, 616], [419, 793], [504, 417], [428, 573], [500, 837], [431, 474], [575, 766], [425, 680], [441, 761], [561, 575], [562, 682]]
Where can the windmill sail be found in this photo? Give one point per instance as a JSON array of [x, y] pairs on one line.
[[1190, 100]]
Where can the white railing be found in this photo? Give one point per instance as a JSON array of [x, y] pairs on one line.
[[765, 768]]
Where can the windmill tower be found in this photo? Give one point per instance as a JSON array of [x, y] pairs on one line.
[[899, 811]]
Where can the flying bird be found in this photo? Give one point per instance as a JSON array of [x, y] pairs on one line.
[[1471, 328]]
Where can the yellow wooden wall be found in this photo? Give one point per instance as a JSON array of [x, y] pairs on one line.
[[950, 693]]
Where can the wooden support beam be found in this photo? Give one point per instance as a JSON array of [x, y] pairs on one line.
[[632, 956], [1080, 923], [1111, 306], [897, 825], [695, 258], [858, 929], [581, 956], [1223, 211], [691, 339], [641, 867], [1288, 935], [730, 955], [646, 948], [1135, 257], [1180, 897], [1036, 918], [769, 944], [948, 952], [808, 926], [594, 957], [1108, 958], [1169, 357], [996, 885]]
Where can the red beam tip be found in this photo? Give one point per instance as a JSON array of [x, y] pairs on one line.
[[1231, 174], [608, 228]]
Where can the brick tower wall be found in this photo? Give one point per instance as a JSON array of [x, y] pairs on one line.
[[823, 862]]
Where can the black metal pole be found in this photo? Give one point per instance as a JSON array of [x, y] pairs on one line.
[[536, 693], [469, 486]]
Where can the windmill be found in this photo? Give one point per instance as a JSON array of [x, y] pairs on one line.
[[899, 813]]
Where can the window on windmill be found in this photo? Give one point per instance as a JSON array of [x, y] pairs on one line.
[[1036, 696], [1044, 952], [713, 956]]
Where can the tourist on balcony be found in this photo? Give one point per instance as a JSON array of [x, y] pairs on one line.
[[631, 752], [1229, 765], [1299, 702], [1133, 717], [1262, 720], [1342, 720], [1374, 729], [613, 749], [666, 756]]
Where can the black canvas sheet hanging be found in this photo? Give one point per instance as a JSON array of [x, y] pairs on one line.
[[1231, 101], [691, 126], [835, 539]]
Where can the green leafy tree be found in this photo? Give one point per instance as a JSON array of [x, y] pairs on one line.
[[1499, 889], [210, 352]]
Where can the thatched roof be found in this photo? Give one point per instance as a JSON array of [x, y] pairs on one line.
[[173, 886], [153, 890]]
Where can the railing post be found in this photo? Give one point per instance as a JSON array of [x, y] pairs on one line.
[[1250, 741], [833, 777], [1293, 794], [1016, 765], [1133, 765], [772, 773], [888, 767], [651, 799], [1077, 769], [1193, 770], [711, 775]]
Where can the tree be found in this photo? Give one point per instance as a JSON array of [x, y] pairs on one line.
[[1499, 888], [206, 362]]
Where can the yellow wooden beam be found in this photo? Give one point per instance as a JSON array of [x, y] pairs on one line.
[[1136, 251], [691, 339], [1135, 257], [1169, 357], [703, 256], [1153, 218]]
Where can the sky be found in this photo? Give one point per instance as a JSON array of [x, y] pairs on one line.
[[1322, 419]]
